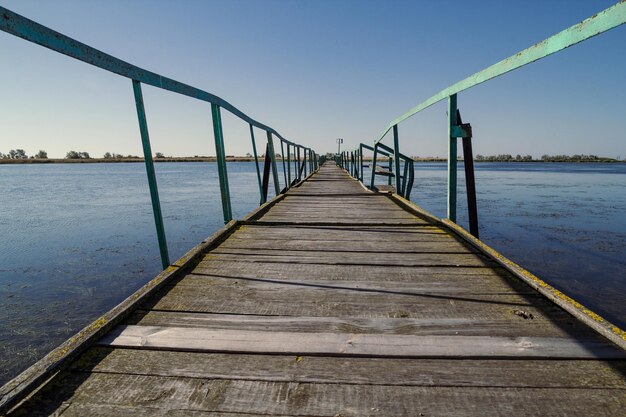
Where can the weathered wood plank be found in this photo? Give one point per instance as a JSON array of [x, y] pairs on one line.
[[372, 246], [427, 285], [333, 258], [343, 233], [239, 296], [349, 344], [117, 393], [358, 371], [382, 273], [512, 326]]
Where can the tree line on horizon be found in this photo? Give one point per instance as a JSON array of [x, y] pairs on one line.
[[41, 154], [21, 154], [544, 158]]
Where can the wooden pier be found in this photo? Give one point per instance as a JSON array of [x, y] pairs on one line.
[[332, 300]]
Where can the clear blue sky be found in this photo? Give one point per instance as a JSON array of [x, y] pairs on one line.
[[315, 71]]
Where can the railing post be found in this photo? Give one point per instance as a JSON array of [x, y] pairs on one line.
[[390, 159], [470, 183], [282, 156], [267, 165], [152, 182], [304, 161], [396, 155], [256, 161], [296, 163], [299, 167], [409, 184], [289, 164], [349, 162], [405, 178], [361, 161], [221, 162], [374, 166], [270, 142], [452, 156]]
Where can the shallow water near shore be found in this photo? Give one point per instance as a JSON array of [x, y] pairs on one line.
[[77, 239]]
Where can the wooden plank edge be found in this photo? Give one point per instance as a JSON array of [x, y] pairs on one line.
[[298, 184], [29, 380], [262, 209], [605, 328]]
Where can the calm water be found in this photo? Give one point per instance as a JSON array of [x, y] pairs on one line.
[[79, 238]]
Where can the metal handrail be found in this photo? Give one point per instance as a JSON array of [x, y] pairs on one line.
[[607, 19], [32, 31], [599, 23], [352, 162]]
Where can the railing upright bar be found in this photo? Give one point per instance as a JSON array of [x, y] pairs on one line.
[[396, 155], [409, 185], [270, 143], [282, 156], [350, 164], [299, 166], [296, 164], [390, 160], [361, 161], [470, 183], [267, 165], [221, 162], [452, 157], [152, 182], [373, 180], [256, 160], [289, 165], [405, 178], [304, 161]]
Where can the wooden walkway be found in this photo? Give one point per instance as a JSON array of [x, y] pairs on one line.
[[336, 301]]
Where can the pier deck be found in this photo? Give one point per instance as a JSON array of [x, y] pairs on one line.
[[336, 301]]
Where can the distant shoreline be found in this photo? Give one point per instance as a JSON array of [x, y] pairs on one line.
[[123, 160], [251, 159]]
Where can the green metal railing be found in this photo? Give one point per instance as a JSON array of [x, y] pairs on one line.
[[398, 166], [305, 159], [599, 23]]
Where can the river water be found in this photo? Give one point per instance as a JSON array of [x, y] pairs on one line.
[[79, 238]]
